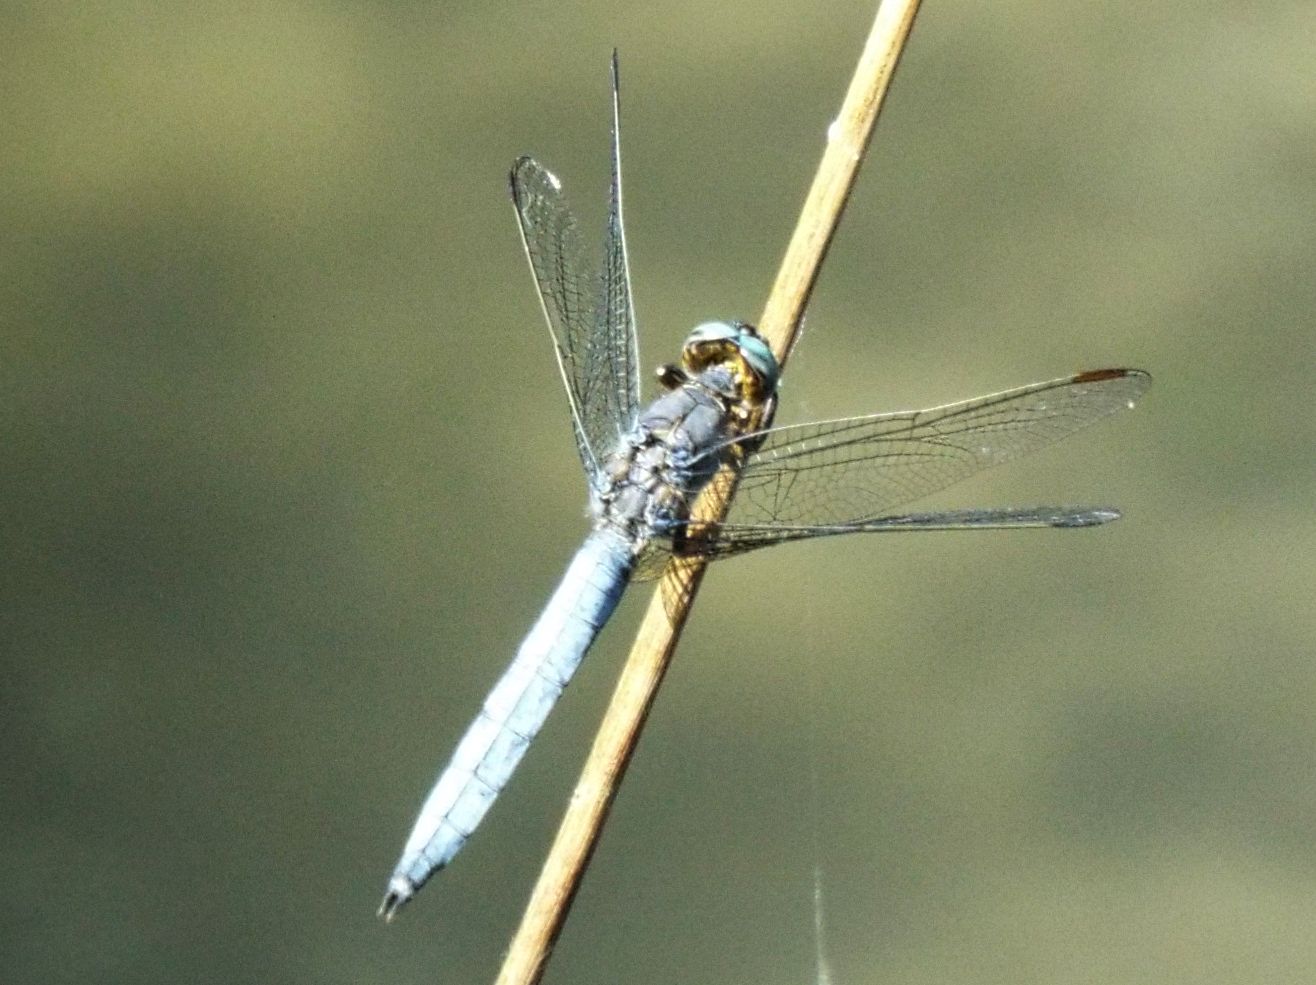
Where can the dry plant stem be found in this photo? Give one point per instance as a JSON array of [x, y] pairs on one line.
[[667, 612]]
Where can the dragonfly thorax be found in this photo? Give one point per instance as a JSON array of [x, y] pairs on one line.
[[679, 442]]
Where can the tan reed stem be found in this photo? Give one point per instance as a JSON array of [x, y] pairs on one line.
[[656, 640]]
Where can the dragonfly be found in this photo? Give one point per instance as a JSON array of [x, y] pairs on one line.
[[645, 465]]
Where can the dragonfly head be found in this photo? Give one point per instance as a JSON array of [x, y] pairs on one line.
[[738, 348]]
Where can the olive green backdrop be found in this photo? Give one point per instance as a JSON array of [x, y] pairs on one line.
[[287, 474]]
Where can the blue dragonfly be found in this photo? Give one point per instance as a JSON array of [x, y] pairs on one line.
[[644, 467]]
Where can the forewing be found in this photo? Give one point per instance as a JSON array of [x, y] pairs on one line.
[[552, 245], [837, 475]]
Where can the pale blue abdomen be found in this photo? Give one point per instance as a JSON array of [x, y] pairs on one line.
[[514, 711]]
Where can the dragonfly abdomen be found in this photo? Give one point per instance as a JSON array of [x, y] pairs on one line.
[[513, 712]]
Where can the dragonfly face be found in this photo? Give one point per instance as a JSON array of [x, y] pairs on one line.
[[739, 346]]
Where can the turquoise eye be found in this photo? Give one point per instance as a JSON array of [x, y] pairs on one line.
[[759, 355]]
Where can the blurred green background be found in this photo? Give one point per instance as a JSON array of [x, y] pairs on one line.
[[288, 475]]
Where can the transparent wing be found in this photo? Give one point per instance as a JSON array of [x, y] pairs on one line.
[[615, 382], [841, 476], [552, 245], [717, 541], [591, 317]]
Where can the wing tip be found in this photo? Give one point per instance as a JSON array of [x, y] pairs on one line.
[[1113, 373], [524, 170], [1087, 518]]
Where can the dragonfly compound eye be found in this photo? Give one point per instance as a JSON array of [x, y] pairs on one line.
[[757, 354]]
